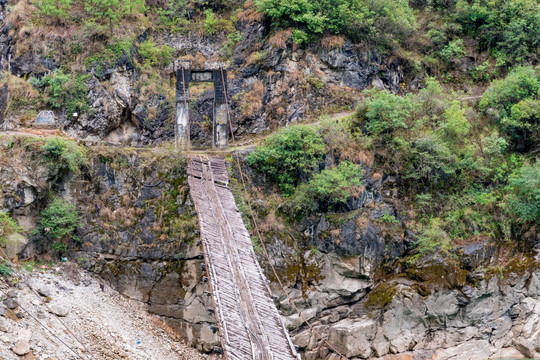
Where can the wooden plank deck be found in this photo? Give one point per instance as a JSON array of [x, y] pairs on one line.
[[249, 323]]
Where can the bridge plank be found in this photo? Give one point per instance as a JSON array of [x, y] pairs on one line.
[[249, 321]]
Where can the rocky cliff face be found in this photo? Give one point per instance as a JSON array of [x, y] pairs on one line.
[[494, 318], [268, 85], [362, 299], [137, 227]]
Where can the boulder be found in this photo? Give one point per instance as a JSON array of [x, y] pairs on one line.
[[15, 245], [22, 345], [59, 310], [3, 325], [44, 290], [11, 304], [525, 347], [352, 337]]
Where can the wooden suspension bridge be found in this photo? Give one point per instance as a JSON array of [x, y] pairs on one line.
[[249, 323]]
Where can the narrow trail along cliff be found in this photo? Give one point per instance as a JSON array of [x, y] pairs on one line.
[[249, 323]]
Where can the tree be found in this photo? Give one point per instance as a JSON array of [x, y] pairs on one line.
[[523, 203], [514, 103]]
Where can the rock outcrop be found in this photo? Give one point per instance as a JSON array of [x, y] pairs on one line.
[[138, 231], [268, 86], [492, 319]]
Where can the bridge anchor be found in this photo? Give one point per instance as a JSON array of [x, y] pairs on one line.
[[220, 122]]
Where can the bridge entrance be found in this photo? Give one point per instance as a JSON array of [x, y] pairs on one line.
[[220, 121]]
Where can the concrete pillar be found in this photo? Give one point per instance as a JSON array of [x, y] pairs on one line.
[[182, 107], [221, 123]]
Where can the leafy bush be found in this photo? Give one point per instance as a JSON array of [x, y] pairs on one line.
[[523, 202], [432, 238], [210, 22], [66, 91], [58, 221], [289, 156], [326, 189], [509, 29], [8, 226], [385, 112], [453, 51], [514, 103], [153, 54], [358, 19], [5, 268], [63, 155], [55, 9], [111, 11], [173, 15]]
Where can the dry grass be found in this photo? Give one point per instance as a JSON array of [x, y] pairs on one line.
[[251, 102], [255, 58], [272, 223], [23, 98], [19, 87], [331, 42], [280, 39], [250, 14], [20, 13]]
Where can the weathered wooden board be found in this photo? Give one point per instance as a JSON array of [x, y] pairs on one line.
[[250, 325]]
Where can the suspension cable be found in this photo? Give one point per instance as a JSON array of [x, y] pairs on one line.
[[186, 109], [229, 119], [256, 227]]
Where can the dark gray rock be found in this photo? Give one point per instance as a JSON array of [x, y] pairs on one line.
[[11, 304], [4, 96]]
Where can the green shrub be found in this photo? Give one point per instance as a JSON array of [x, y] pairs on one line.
[[152, 54], [8, 227], [453, 51], [455, 125], [5, 268], [111, 54], [509, 29], [54, 9], [66, 91], [432, 239], [210, 22], [111, 11], [385, 112], [514, 103], [58, 221], [287, 157], [63, 156], [326, 189], [58, 247], [361, 20], [523, 202]]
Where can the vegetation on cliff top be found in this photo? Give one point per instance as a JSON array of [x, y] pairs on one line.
[[467, 170]]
